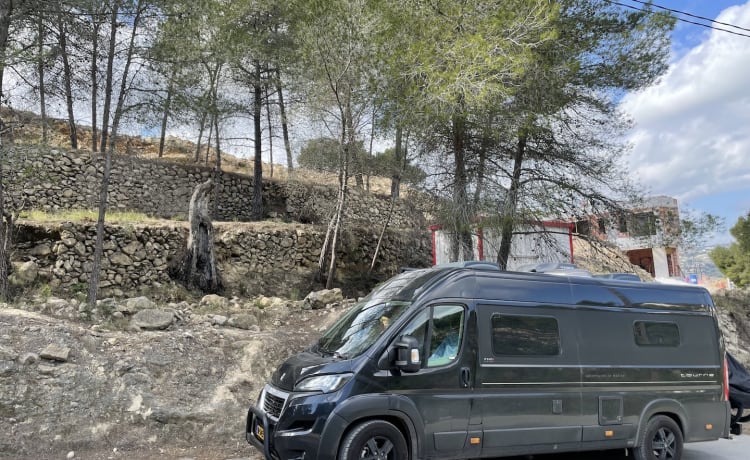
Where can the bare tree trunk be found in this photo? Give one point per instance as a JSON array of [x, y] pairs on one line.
[[165, 117], [382, 234], [397, 159], [110, 71], [198, 269], [40, 72], [284, 126], [257, 208], [94, 74], [200, 137], [270, 133], [511, 199], [347, 141], [369, 151], [6, 12], [461, 220], [104, 191], [209, 139], [6, 221], [357, 163], [67, 79], [5, 225], [217, 171]]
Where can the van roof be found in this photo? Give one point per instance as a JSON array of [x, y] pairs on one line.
[[539, 288]]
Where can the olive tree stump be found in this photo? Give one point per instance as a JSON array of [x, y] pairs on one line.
[[198, 267]]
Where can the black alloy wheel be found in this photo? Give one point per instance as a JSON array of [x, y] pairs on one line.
[[662, 440], [374, 440]]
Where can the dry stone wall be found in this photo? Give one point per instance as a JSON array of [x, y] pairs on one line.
[[55, 179], [252, 258]]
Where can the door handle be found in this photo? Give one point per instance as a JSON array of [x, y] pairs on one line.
[[465, 377]]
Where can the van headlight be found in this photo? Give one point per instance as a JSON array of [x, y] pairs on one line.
[[323, 383]]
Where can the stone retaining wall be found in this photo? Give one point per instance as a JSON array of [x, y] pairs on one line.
[[54, 179], [252, 258]]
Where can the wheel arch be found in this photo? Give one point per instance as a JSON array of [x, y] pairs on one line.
[[666, 407], [398, 411]]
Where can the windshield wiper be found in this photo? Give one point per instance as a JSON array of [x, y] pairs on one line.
[[325, 353]]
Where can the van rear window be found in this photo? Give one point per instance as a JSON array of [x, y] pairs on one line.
[[521, 335], [656, 334]]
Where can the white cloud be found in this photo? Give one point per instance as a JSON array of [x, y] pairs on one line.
[[692, 134]]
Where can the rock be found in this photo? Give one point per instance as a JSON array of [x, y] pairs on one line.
[[28, 358], [244, 321], [319, 299], [54, 303], [41, 250], [119, 258], [135, 304], [131, 248], [153, 319], [218, 320], [26, 273], [214, 302], [54, 352]]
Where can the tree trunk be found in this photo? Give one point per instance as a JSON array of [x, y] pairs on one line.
[[165, 117], [99, 243], [5, 226], [284, 126], [104, 191], [270, 133], [201, 128], [67, 80], [510, 205], [397, 159], [198, 268], [110, 71], [335, 226], [257, 208], [382, 234], [461, 247], [6, 12], [94, 74], [217, 169], [40, 72]]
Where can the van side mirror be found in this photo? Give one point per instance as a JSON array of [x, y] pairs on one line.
[[407, 354]]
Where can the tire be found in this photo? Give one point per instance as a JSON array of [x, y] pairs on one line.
[[374, 440], [661, 440]]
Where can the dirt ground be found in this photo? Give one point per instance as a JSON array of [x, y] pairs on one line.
[[241, 451]]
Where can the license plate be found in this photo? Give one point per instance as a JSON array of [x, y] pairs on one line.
[[260, 432]]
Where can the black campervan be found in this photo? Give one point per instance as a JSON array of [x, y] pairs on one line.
[[470, 362]]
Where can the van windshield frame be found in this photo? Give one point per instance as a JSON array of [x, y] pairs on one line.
[[359, 328], [368, 319]]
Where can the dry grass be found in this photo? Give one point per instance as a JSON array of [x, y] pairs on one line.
[[28, 130], [86, 215]]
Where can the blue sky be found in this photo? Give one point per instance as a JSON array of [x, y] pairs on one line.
[[692, 134]]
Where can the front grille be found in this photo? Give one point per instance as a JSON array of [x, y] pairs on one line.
[[273, 403]]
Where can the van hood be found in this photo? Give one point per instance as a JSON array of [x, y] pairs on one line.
[[306, 364]]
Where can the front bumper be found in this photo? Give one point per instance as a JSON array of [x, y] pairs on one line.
[[299, 432], [258, 432]]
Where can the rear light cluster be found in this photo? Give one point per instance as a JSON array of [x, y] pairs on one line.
[[726, 380]]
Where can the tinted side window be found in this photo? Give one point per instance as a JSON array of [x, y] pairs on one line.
[[653, 334], [447, 329], [516, 335], [439, 331]]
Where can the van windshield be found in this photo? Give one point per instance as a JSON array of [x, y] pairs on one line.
[[359, 328]]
